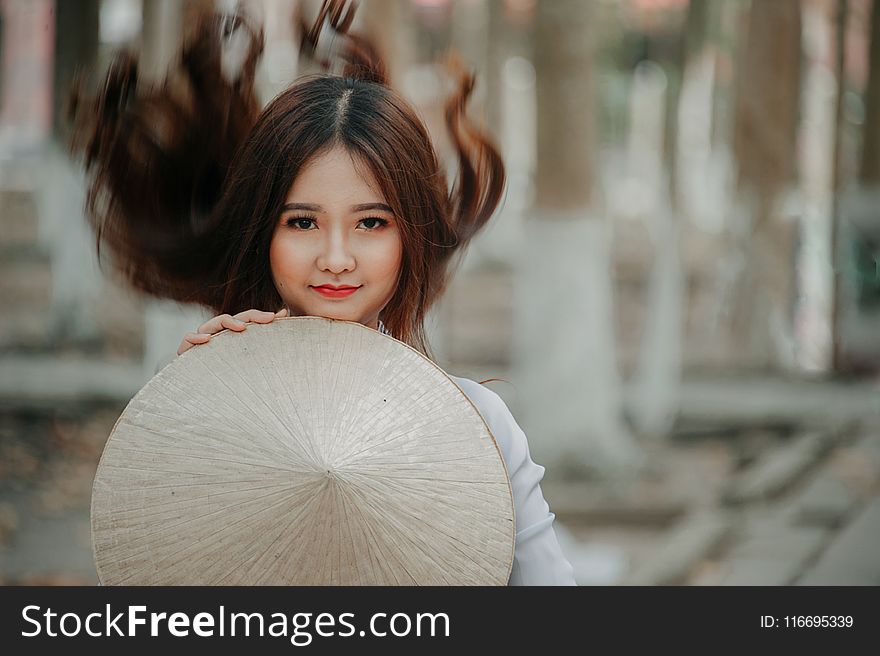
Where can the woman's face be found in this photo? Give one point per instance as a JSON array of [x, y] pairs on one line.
[[336, 230]]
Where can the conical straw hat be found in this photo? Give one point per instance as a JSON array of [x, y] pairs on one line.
[[302, 452]]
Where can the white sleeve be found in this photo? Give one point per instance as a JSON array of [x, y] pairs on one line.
[[538, 558]]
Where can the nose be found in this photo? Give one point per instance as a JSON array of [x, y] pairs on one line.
[[336, 256]]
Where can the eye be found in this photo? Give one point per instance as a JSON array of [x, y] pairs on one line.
[[374, 222], [300, 222]]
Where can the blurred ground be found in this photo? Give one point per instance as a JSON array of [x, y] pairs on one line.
[[47, 464], [752, 508]]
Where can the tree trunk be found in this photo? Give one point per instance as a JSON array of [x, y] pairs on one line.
[[563, 63], [391, 25], [76, 49], [654, 392], [870, 170], [857, 233], [841, 23], [764, 144], [686, 148], [498, 51], [565, 338]]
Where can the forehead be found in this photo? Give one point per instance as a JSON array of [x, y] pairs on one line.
[[335, 174]]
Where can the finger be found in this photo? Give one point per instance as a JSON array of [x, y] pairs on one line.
[[212, 325], [192, 339], [264, 317], [257, 316], [218, 323], [233, 324], [281, 313]]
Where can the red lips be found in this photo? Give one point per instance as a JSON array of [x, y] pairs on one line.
[[331, 291]]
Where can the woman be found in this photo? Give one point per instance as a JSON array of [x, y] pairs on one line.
[[330, 202]]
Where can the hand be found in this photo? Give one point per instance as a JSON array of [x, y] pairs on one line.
[[238, 323]]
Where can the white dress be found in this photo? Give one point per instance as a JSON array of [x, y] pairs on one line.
[[538, 559]]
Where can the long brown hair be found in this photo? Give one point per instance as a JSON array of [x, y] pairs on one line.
[[187, 179]]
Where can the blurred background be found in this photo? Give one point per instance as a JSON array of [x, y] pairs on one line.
[[679, 297]]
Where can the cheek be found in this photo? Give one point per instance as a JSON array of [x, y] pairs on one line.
[[283, 259], [394, 258], [274, 257]]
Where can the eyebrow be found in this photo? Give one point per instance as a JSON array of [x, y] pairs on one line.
[[354, 208]]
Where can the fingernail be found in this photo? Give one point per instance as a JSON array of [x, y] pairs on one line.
[[238, 322]]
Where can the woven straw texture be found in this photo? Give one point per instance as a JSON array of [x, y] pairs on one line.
[[302, 452]]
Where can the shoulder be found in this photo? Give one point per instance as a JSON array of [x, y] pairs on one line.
[[507, 433], [480, 395], [491, 406]]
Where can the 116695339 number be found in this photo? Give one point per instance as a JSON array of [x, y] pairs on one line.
[[807, 622]]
